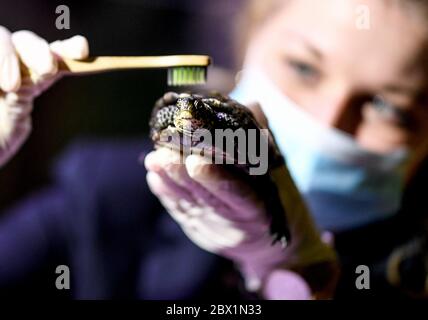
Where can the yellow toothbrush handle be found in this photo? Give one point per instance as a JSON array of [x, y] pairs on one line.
[[99, 64]]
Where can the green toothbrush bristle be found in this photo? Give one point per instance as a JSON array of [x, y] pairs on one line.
[[187, 76]]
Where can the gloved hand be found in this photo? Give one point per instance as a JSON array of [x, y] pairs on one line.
[[16, 92], [223, 215]]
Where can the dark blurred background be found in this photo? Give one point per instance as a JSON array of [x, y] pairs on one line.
[[112, 105]]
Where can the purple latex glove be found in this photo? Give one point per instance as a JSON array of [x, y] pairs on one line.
[[223, 215]]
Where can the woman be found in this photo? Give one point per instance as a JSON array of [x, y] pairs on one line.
[[351, 137]]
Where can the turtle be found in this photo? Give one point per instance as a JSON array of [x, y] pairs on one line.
[[178, 116]]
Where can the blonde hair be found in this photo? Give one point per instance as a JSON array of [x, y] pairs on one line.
[[253, 14], [256, 12]]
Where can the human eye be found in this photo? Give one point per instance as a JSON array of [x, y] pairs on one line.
[[389, 111], [305, 71]]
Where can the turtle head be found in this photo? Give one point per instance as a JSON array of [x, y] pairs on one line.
[[192, 113]]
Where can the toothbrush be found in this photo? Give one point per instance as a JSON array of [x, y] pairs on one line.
[[183, 70]]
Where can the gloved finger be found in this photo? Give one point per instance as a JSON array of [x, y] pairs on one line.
[[35, 53], [207, 241], [10, 76], [29, 89], [286, 285], [169, 195], [211, 231], [222, 236], [76, 47], [12, 132], [205, 222], [159, 159], [17, 107], [201, 241], [190, 215], [162, 186], [235, 193], [213, 219], [168, 161]]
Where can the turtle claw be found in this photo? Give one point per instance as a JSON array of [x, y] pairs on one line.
[[280, 233], [282, 239]]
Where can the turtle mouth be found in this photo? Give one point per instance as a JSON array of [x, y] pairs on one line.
[[186, 123]]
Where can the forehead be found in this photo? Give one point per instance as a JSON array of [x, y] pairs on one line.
[[394, 43]]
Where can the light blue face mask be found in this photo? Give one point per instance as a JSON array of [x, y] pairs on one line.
[[344, 185]]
